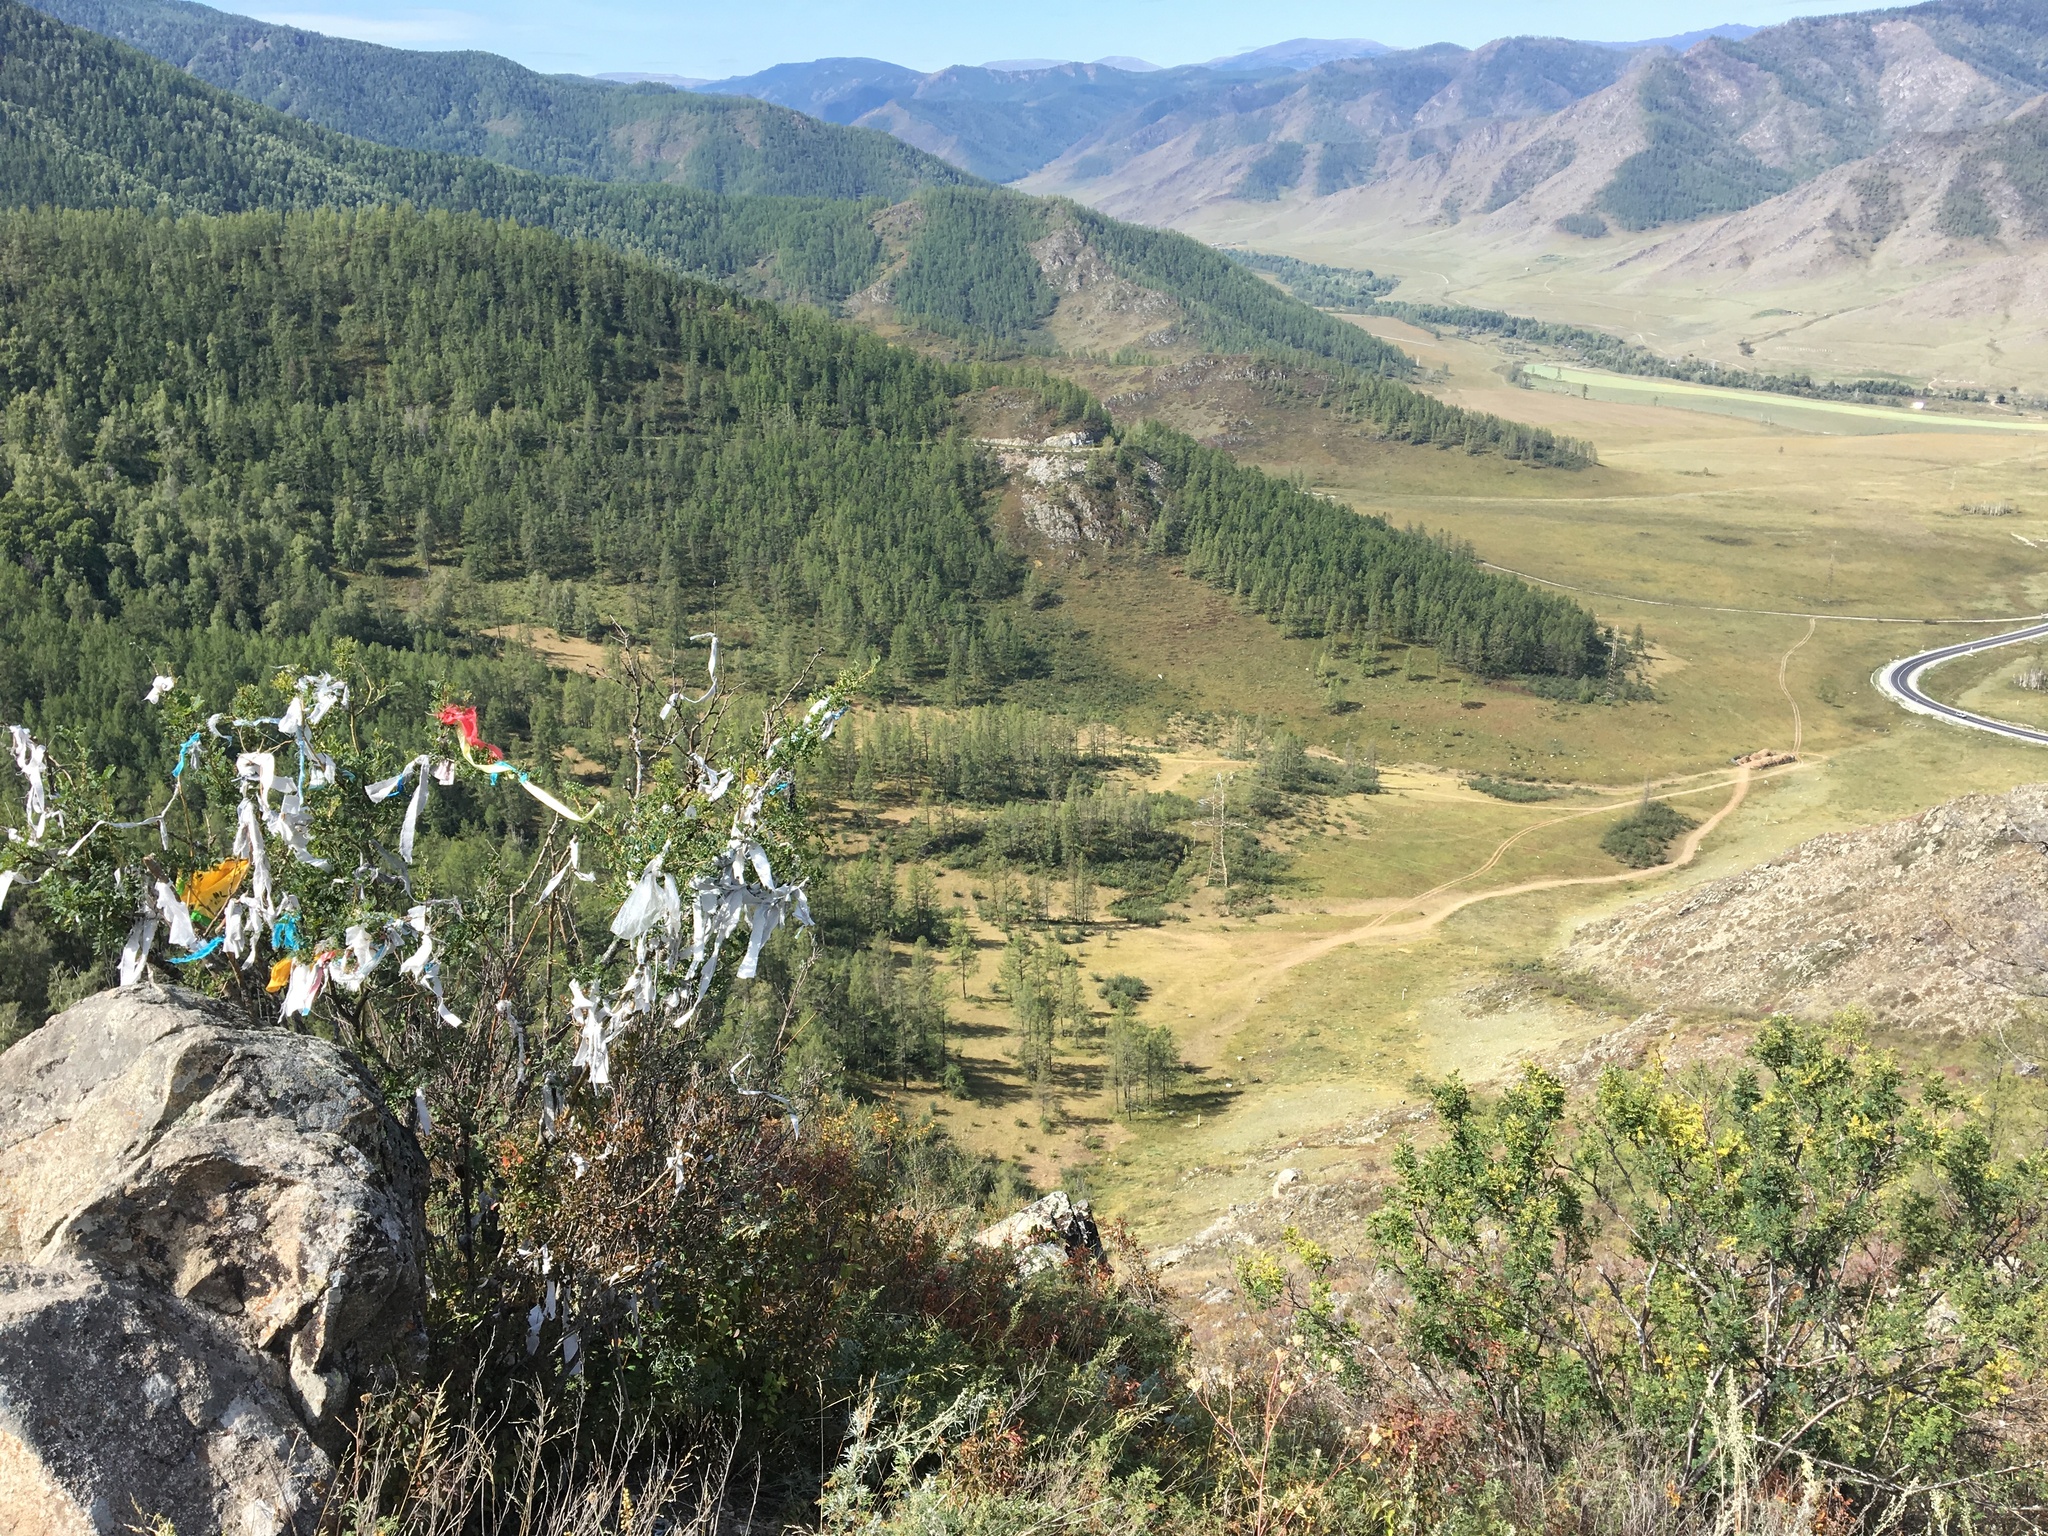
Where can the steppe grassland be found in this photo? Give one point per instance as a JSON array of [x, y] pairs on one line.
[[1847, 321], [1688, 508]]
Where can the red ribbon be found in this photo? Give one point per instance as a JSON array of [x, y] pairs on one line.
[[463, 718]]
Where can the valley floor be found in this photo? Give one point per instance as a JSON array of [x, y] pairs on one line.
[[1308, 1025], [1974, 319]]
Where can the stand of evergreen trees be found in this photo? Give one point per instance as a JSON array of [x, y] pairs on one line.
[[1347, 288], [1692, 165], [1234, 310], [970, 264], [267, 401], [1317, 568]]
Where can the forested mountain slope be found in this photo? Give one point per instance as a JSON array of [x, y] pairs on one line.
[[471, 103], [219, 435], [86, 122]]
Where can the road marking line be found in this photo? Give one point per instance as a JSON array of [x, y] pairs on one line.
[[1899, 681]]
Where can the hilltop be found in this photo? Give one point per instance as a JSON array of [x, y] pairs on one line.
[[470, 103], [93, 123]]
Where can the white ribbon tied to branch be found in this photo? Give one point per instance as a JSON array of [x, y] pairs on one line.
[[34, 764], [418, 771], [287, 821], [679, 697]]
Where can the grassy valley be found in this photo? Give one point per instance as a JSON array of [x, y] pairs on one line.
[[1235, 683], [1360, 976], [1184, 636]]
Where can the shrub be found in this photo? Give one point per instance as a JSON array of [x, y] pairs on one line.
[[1643, 838], [1799, 1264], [1517, 790]]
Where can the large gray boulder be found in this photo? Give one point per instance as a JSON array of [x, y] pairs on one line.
[[211, 1237]]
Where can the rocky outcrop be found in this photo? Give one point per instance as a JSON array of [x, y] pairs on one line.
[[1069, 499], [1939, 920], [1045, 1233], [210, 1238]]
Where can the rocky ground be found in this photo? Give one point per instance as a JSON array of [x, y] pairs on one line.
[[1938, 921], [211, 1239]]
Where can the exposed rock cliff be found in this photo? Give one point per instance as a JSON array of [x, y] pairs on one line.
[[210, 1236]]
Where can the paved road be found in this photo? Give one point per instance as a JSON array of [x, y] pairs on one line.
[[1900, 682]]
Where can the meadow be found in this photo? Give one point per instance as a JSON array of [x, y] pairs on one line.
[[1771, 570]]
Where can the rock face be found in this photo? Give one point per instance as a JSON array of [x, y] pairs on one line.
[[1939, 920], [1047, 1232], [209, 1235]]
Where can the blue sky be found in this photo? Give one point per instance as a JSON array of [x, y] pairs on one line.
[[695, 37]]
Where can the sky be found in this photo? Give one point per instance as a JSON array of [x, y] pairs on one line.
[[716, 40]]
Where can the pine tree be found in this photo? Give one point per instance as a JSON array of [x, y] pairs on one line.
[[962, 949], [1080, 891]]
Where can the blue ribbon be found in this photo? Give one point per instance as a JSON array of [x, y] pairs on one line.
[[201, 952], [284, 933]]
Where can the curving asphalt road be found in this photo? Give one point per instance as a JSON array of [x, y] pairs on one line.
[[1900, 682]]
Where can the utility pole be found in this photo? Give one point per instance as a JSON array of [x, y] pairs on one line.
[[1220, 823]]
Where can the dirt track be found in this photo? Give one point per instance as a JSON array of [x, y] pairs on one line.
[[1441, 901]]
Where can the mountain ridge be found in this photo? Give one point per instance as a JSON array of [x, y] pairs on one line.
[[1730, 123], [92, 123], [479, 104]]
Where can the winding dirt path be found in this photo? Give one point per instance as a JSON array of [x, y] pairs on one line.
[[1784, 661], [1438, 903]]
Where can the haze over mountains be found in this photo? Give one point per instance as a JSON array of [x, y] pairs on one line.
[[1005, 122], [470, 103], [1876, 178], [1554, 129]]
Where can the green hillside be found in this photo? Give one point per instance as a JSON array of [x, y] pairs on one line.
[[469, 103], [89, 123], [219, 431]]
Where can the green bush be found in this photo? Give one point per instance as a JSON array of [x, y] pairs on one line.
[[1800, 1267], [1642, 840], [1518, 790]]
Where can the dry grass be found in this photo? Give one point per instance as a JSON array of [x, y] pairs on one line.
[[1687, 508]]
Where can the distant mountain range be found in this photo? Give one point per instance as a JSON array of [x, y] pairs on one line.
[[88, 122], [1537, 133], [1906, 142], [1072, 122], [1009, 120], [1302, 53], [1735, 32]]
